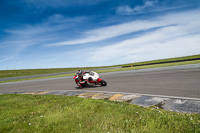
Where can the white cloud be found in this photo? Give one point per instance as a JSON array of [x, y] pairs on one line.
[[146, 5], [124, 10], [41, 33], [111, 31], [24, 37], [8, 58], [127, 10], [45, 4], [134, 26], [145, 48], [154, 6], [179, 39]]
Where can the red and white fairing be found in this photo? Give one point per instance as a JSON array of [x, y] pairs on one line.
[[81, 81]]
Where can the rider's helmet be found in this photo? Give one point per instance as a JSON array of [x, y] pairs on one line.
[[91, 73], [80, 73]]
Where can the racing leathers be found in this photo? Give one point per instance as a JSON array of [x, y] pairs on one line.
[[86, 77]]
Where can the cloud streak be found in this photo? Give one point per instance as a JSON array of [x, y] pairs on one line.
[[112, 31], [108, 32], [41, 33], [182, 38], [9, 58], [144, 48], [153, 6], [127, 10], [171, 35], [55, 4], [25, 37]]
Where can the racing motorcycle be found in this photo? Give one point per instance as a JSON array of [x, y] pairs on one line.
[[82, 81]]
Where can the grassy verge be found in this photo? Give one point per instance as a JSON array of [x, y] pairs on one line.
[[114, 70], [151, 66], [28, 72], [46, 77], [49, 113], [164, 60]]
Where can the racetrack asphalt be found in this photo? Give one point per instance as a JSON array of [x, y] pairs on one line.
[[178, 81]]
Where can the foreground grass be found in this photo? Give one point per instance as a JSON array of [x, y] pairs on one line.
[[49, 113]]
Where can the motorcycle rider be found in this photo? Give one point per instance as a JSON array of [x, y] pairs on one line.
[[80, 78], [84, 79]]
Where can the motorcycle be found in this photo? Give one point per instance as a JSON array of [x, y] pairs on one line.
[[83, 81]]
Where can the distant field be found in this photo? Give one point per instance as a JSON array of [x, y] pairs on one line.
[[28, 72], [151, 66], [185, 58]]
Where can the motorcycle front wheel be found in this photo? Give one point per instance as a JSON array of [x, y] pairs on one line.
[[103, 83]]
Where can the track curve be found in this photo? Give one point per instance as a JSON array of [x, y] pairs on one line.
[[180, 81]]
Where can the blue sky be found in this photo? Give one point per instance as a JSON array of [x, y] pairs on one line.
[[80, 33]]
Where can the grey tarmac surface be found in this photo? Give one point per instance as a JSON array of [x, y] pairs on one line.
[[177, 81]]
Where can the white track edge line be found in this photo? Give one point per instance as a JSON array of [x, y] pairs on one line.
[[140, 94]]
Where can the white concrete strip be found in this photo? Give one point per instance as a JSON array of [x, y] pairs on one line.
[[162, 96]]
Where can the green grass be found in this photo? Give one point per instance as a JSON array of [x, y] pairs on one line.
[[151, 66], [28, 72], [64, 75], [50, 113], [164, 60]]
